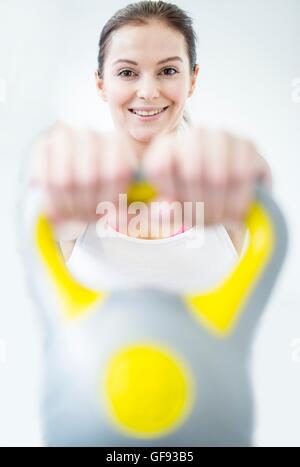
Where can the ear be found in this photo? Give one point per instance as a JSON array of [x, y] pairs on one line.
[[193, 80], [100, 86]]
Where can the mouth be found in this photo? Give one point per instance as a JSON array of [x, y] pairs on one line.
[[149, 117]]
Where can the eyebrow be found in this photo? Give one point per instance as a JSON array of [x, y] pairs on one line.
[[169, 59]]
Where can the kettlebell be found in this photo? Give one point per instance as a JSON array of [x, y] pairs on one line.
[[147, 367]]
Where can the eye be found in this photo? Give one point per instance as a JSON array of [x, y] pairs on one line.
[[125, 71], [170, 68]]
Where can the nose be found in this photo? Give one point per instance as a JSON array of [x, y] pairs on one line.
[[147, 88]]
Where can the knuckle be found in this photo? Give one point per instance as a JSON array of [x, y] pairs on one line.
[[122, 176], [240, 210], [192, 176], [107, 178], [67, 184], [50, 185], [217, 179], [102, 177], [159, 172], [61, 184], [91, 182], [241, 175], [164, 170]]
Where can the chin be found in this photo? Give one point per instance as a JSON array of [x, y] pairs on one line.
[[145, 136]]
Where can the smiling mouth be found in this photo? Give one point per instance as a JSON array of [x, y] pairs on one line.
[[150, 115]]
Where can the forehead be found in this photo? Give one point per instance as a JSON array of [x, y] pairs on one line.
[[146, 43]]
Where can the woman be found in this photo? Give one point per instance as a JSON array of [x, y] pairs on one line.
[[146, 72], [146, 65]]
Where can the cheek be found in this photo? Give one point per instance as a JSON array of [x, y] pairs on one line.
[[176, 92], [118, 96]]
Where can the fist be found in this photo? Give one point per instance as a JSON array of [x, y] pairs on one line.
[[76, 169], [207, 166]]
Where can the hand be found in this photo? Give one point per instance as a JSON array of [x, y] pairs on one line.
[[77, 169], [209, 166]]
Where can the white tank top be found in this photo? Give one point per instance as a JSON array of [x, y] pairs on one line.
[[186, 262]]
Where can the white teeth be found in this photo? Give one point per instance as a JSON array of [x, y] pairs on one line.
[[143, 113]]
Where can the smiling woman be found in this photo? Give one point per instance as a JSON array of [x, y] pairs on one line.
[[168, 20], [146, 72], [159, 80]]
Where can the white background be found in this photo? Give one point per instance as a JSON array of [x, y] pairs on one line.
[[249, 54]]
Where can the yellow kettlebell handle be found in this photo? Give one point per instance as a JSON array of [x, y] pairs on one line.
[[218, 308]]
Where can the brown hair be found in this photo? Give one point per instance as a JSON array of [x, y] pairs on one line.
[[139, 14]]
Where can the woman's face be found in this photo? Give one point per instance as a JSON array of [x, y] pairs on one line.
[[154, 80]]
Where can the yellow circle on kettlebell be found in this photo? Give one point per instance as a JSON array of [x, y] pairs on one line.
[[149, 390]]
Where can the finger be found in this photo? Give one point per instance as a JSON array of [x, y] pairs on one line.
[[60, 174], [86, 176], [189, 177], [159, 165], [241, 187], [115, 176], [217, 147]]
